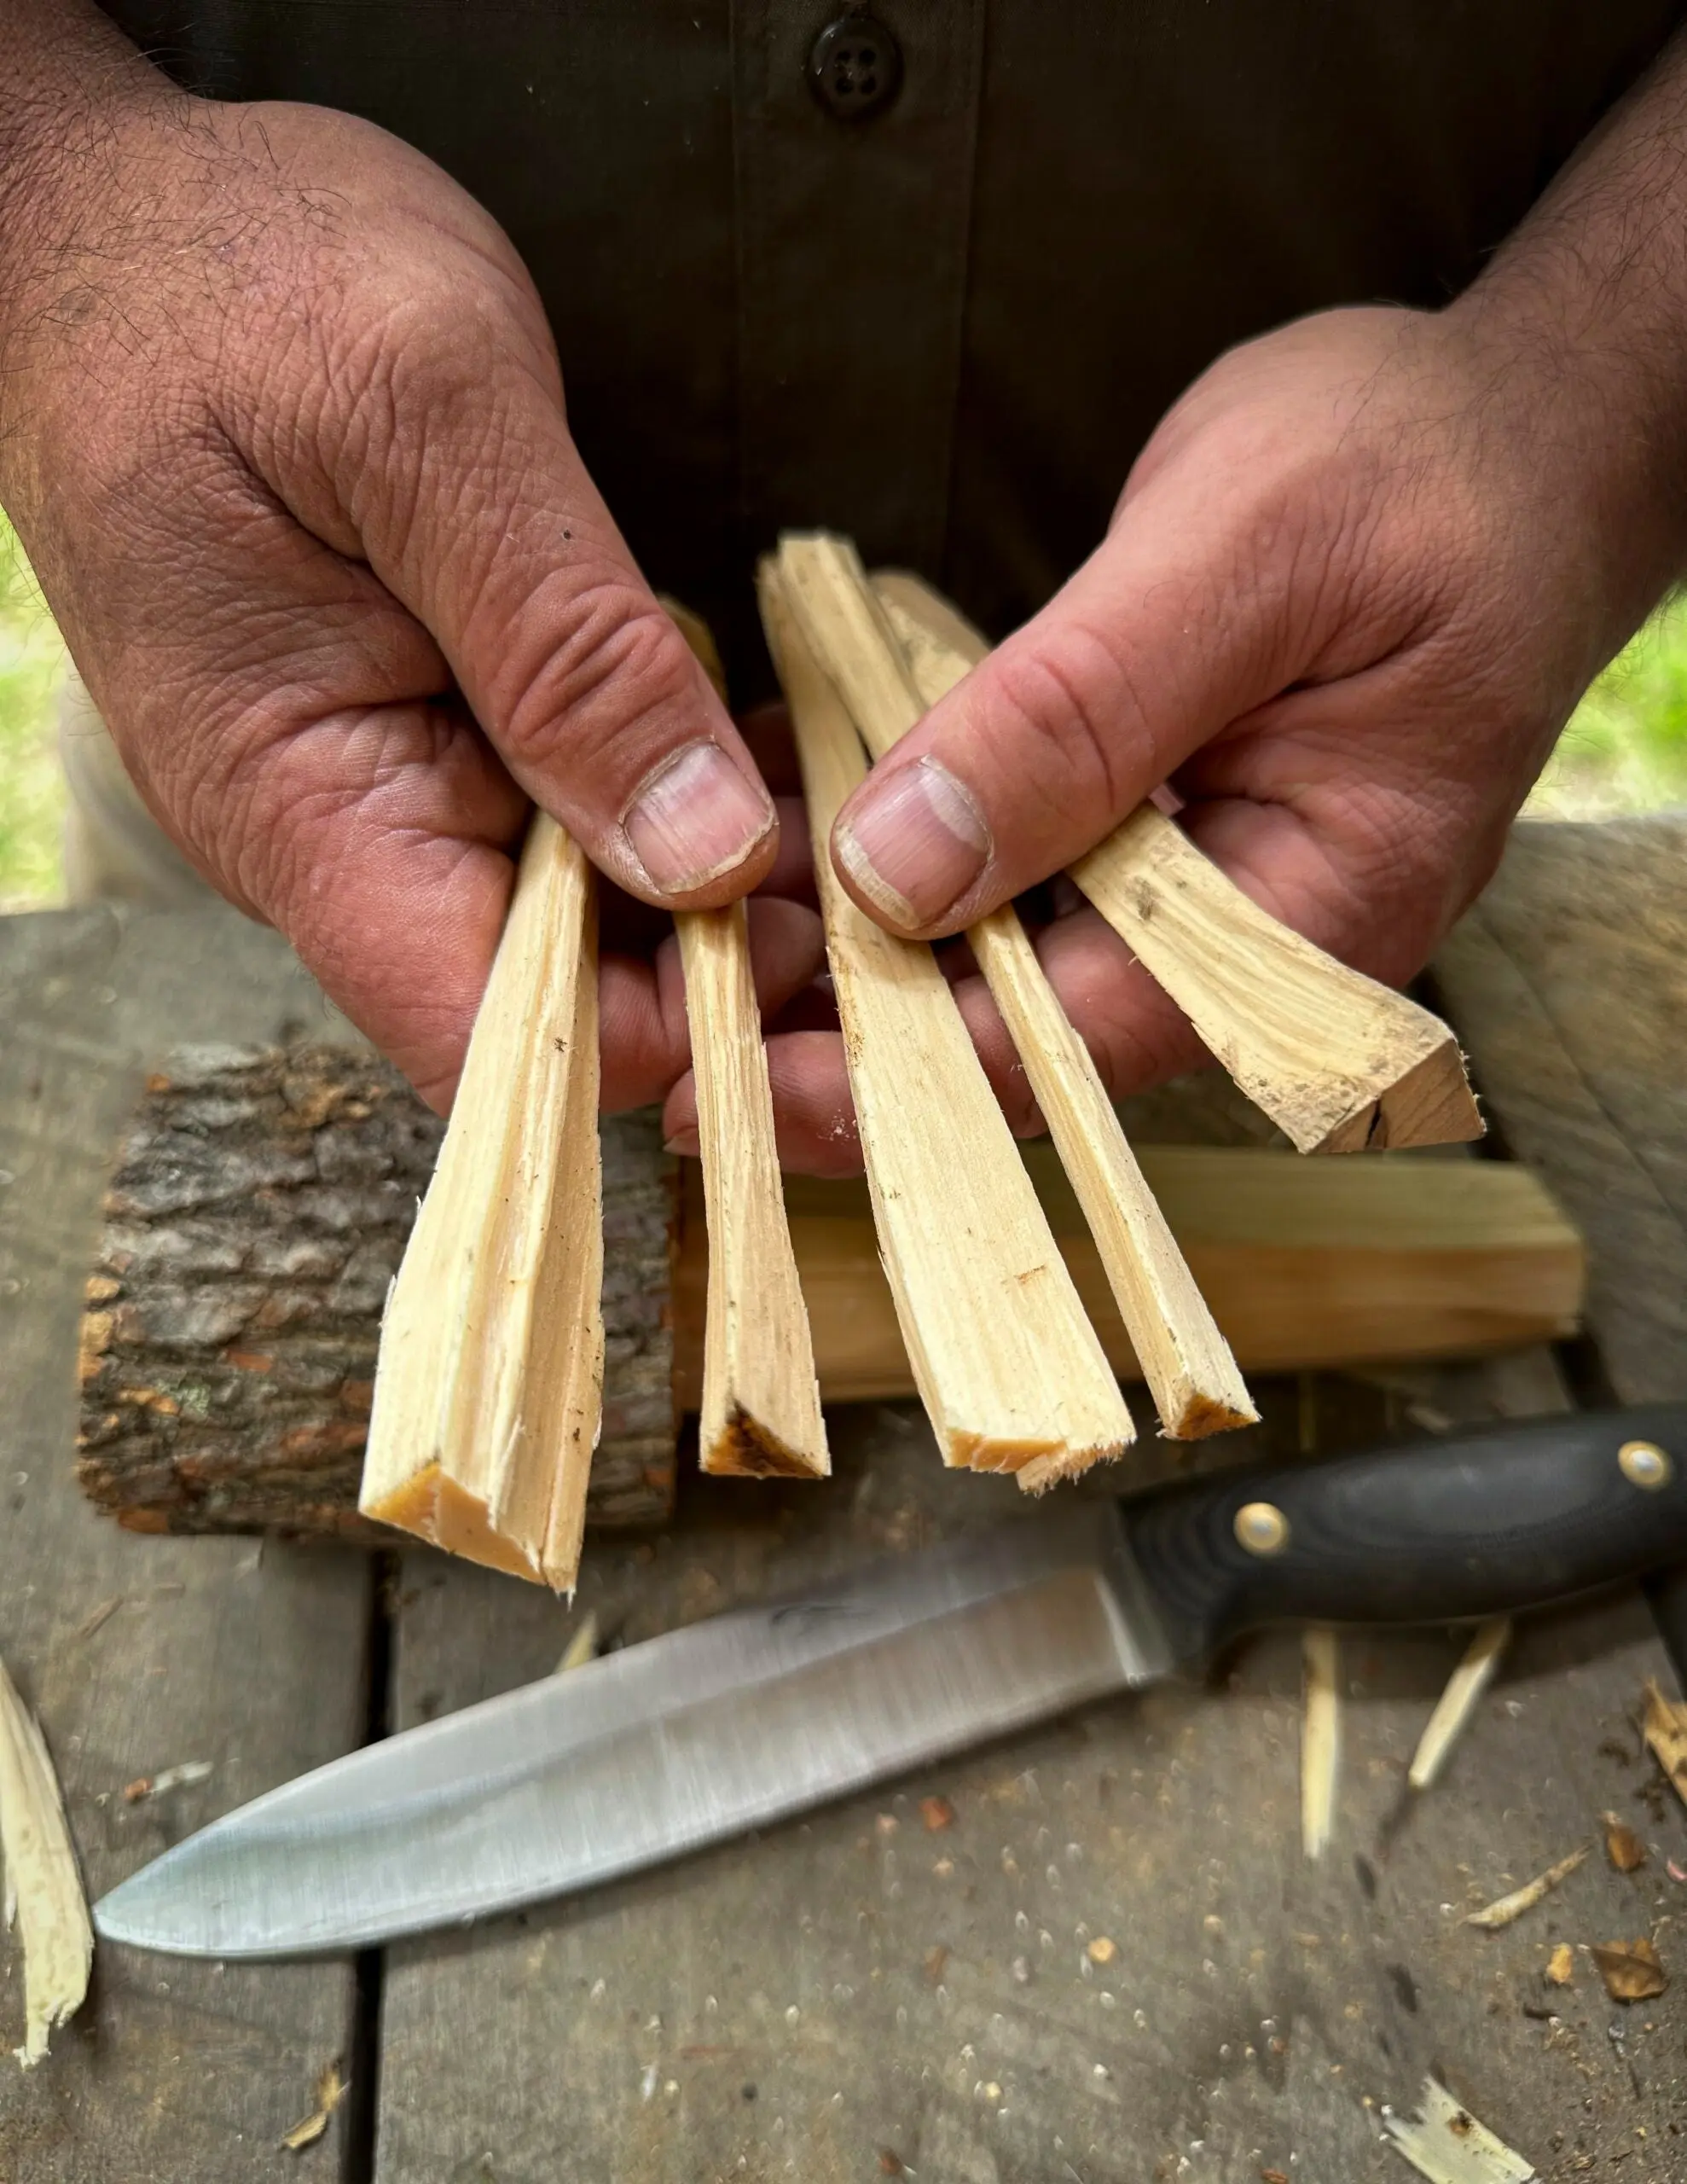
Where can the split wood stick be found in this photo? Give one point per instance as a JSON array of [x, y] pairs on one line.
[[488, 1391], [1340, 1062], [1185, 1359], [1010, 1369], [761, 1402], [261, 1199], [761, 1411]]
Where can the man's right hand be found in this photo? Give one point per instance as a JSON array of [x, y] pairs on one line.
[[281, 429]]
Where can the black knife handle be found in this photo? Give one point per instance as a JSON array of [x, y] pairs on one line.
[[1438, 1531]]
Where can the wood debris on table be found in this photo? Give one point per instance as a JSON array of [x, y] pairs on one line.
[[582, 1644], [1560, 1965], [1459, 1700], [331, 2090], [1448, 2145], [172, 1778], [1623, 1847], [1505, 1909], [44, 1904], [937, 1813], [1320, 1738], [1665, 1732], [1632, 1970]]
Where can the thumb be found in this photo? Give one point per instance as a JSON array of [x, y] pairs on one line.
[[1168, 634], [498, 541]]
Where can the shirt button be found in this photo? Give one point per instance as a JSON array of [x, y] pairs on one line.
[[854, 67]]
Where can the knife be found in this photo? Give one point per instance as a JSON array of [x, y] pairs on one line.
[[710, 1731]]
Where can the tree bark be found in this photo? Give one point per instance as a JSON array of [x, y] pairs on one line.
[[258, 1210]]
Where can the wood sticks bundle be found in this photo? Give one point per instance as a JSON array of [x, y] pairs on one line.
[[488, 1387]]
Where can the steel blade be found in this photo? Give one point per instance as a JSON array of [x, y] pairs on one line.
[[698, 1736]]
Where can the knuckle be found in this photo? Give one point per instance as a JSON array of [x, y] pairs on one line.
[[600, 670], [1071, 705]]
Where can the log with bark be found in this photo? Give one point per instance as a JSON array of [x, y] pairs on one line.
[[262, 1199]]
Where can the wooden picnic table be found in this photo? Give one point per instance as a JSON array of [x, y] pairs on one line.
[[859, 1993]]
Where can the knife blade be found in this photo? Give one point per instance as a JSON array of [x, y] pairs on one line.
[[728, 1724]]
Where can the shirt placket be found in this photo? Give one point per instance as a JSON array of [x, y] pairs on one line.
[[853, 217]]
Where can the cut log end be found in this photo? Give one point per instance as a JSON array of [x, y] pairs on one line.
[[744, 1447]]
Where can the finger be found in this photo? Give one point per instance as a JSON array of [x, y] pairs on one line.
[[466, 494], [1180, 621], [643, 1036]]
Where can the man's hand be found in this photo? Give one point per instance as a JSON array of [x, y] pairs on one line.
[[282, 427], [1352, 589]]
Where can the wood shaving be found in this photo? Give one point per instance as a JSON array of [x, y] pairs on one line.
[[98, 1620], [173, 1778], [937, 1813], [1320, 1738], [1631, 1970], [1560, 1965], [331, 2090], [1508, 1907], [1623, 1847], [1666, 1732], [1460, 1699], [1447, 2144], [43, 1897], [1101, 1950], [582, 1644]]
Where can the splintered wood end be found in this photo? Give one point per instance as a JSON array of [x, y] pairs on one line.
[[745, 1448], [1430, 1103]]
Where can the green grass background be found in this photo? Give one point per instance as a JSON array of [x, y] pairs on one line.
[[1625, 750]]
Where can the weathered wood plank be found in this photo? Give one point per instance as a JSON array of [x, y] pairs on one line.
[[1568, 984], [872, 1981], [141, 1654]]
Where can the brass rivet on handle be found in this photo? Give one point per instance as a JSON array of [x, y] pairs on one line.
[[1644, 1464], [1262, 1528]]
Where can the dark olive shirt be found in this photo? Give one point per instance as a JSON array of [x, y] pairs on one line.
[[948, 326]]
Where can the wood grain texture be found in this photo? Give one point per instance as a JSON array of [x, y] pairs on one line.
[[1197, 1386], [256, 1216], [488, 1387], [1568, 984], [1342, 1063], [139, 1654], [760, 1406], [1006, 1360]]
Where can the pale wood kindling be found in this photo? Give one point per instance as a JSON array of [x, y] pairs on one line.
[[488, 1390], [1338, 1061], [760, 1412], [1186, 1362], [1010, 1369]]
